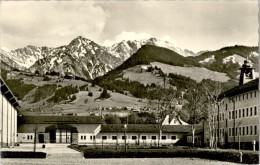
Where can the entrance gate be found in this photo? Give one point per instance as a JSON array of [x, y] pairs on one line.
[[61, 133]]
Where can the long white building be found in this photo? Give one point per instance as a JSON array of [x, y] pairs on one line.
[[8, 116]]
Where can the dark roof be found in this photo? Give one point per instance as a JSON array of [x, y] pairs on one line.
[[251, 85], [144, 128], [8, 93], [60, 120]]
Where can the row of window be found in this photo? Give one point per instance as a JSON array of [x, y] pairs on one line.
[[142, 137], [83, 137], [243, 131], [245, 96], [245, 112]]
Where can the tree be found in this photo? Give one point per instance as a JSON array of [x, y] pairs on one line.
[[212, 91], [112, 119], [161, 100], [104, 94], [195, 107]]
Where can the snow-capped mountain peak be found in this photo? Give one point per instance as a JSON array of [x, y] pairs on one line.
[[125, 49]]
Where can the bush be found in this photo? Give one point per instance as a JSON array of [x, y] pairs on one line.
[[23, 154], [104, 95], [46, 78], [90, 94], [230, 156]]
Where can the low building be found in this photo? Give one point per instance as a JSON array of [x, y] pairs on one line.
[[8, 116], [142, 134], [84, 130], [58, 129]]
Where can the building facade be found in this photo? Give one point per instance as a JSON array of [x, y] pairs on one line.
[[238, 117], [85, 130], [58, 129], [8, 116]]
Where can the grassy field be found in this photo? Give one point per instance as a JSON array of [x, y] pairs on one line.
[[135, 74], [194, 73]]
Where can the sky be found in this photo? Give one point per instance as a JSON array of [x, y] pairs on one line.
[[190, 24]]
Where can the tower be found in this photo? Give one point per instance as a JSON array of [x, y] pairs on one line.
[[247, 73]]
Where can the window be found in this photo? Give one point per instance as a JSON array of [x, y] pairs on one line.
[[247, 96], [143, 137], [243, 114], [243, 96], [94, 137], [239, 114], [251, 130], [134, 137], [229, 115], [28, 137], [114, 137], [251, 94], [247, 131], [153, 137], [173, 137], [243, 131], [124, 137], [90, 137], [233, 132], [255, 93], [163, 137], [246, 112], [236, 114], [104, 137], [223, 117], [255, 110], [255, 129], [251, 111], [239, 97], [81, 137], [233, 114]]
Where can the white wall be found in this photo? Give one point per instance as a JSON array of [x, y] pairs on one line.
[[8, 120]]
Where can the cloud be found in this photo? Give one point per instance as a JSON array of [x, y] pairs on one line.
[[50, 23], [127, 36]]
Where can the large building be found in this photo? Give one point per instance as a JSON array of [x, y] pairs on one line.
[[8, 116], [238, 118]]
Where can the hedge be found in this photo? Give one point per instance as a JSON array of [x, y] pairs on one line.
[[230, 156], [23, 154]]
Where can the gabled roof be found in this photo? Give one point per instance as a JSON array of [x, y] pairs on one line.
[[250, 86], [8, 94], [144, 128], [60, 120]]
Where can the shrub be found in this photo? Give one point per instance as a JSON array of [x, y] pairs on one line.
[[104, 94], [90, 94], [230, 156], [23, 154], [73, 98], [46, 78]]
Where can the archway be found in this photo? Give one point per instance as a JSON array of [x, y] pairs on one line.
[[61, 133]]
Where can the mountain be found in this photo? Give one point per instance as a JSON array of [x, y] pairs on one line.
[[8, 63], [152, 66], [228, 59], [80, 58], [125, 49]]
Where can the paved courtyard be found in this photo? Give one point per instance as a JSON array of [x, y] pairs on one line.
[[59, 154]]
